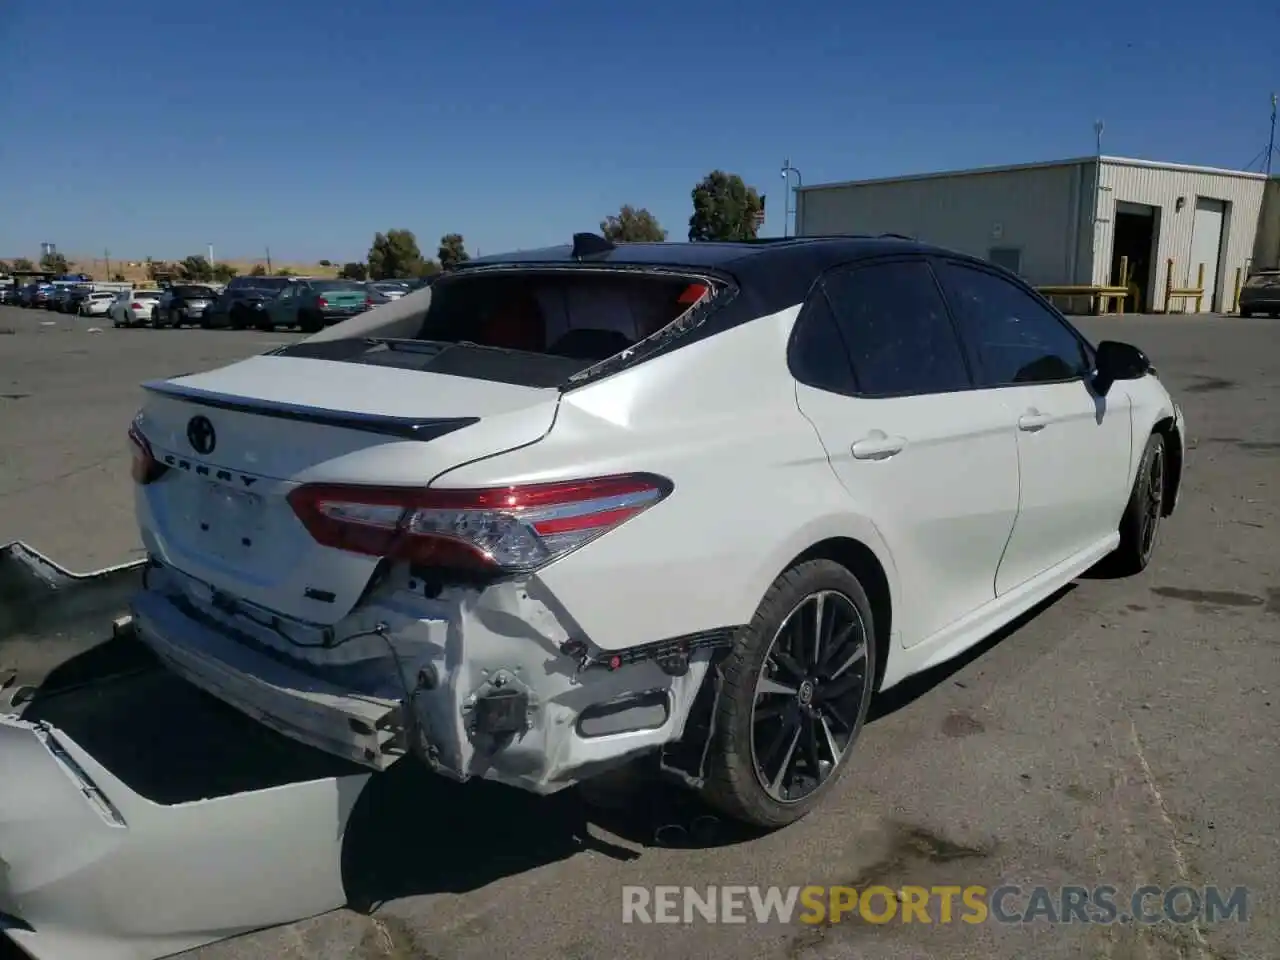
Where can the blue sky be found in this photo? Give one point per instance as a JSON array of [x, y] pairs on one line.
[[156, 128]]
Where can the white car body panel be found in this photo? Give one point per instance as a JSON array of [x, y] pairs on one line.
[[1073, 474], [261, 558], [946, 542]]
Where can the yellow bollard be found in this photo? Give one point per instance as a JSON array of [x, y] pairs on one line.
[[1235, 297], [1168, 284], [1200, 287]]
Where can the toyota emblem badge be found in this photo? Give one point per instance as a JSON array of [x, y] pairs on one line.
[[201, 435]]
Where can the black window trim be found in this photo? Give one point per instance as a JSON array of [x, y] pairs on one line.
[[970, 349], [819, 290]]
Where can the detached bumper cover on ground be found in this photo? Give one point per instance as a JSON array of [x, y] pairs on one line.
[[90, 869]]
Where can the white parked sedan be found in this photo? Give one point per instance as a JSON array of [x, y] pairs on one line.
[[133, 308], [571, 506], [97, 304]]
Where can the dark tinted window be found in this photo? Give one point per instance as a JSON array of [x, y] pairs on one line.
[[193, 293], [1014, 338], [895, 325], [817, 356]]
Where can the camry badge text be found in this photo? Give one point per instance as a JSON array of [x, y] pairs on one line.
[[213, 473]]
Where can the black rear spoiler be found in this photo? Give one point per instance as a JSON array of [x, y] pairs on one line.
[[404, 428]]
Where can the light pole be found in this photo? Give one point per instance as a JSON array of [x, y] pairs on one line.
[[787, 208]]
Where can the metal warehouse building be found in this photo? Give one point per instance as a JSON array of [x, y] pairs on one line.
[[1038, 220]]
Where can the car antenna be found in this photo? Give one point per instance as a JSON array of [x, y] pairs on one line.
[[590, 245]]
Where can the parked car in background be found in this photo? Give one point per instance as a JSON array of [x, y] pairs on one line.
[[96, 303], [71, 304], [57, 299], [8, 294], [240, 304], [134, 308], [391, 289], [492, 494], [1261, 294], [182, 304], [314, 304]]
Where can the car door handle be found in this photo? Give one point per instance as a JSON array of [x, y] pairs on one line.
[[877, 446], [1033, 420]]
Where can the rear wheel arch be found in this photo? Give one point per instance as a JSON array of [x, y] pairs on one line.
[[860, 560]]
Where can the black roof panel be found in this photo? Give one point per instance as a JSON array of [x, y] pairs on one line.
[[712, 254]]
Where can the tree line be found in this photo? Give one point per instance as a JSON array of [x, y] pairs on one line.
[[724, 208]]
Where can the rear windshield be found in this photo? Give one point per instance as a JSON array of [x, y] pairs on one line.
[[192, 292], [1268, 278], [534, 329]]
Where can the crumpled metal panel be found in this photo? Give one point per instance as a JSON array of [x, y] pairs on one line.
[[139, 817]]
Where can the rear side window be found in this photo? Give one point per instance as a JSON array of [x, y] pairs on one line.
[[895, 326], [528, 327], [817, 355]]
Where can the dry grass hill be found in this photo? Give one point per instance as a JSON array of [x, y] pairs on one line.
[[136, 270]]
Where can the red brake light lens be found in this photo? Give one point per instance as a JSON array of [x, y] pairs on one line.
[[493, 530], [322, 303], [144, 468]]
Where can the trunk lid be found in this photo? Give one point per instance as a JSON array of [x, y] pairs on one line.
[[236, 441], [341, 299]]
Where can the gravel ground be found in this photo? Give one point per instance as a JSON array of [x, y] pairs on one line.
[[1124, 735]]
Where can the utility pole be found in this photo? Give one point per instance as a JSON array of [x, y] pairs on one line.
[[211, 254], [106, 254], [268, 260], [1271, 144]]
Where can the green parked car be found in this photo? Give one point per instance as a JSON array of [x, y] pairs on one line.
[[313, 305]]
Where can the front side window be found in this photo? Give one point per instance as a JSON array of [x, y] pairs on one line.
[[896, 328], [1013, 337]]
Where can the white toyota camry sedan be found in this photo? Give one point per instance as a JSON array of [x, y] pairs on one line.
[[567, 507]]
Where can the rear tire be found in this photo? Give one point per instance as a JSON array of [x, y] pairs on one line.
[[1140, 525], [1245, 313], [310, 323], [797, 687]]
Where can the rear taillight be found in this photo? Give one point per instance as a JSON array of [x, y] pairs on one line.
[[145, 468], [368, 301], [322, 303], [495, 530]]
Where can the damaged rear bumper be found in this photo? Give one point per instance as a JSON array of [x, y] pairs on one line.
[[473, 681]]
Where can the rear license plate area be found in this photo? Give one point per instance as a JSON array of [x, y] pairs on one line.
[[229, 522]]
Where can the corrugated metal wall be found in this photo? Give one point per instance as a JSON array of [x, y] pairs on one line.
[[1266, 249], [1161, 187], [1033, 208]]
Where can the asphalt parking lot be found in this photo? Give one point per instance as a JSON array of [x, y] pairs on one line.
[[1125, 735]]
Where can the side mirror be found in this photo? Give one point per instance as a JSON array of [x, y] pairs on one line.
[[1118, 361]]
